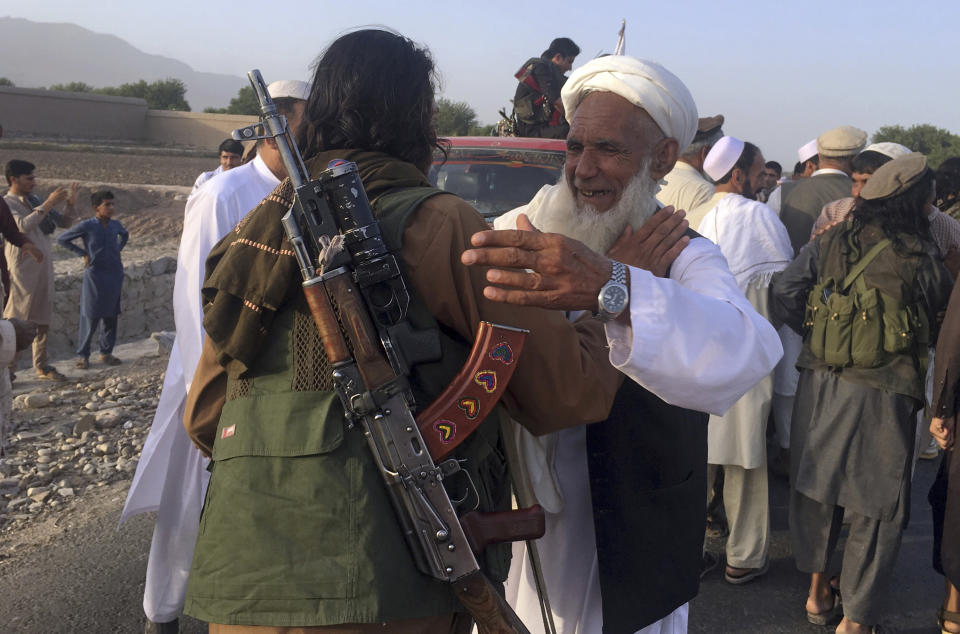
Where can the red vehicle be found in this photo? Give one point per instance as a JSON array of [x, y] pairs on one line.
[[497, 174]]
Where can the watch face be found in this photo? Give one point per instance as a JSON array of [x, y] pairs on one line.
[[614, 299]]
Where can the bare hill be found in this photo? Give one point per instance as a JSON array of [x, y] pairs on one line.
[[38, 54]]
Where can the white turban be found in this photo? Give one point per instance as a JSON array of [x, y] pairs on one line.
[[893, 150], [289, 88], [645, 84]]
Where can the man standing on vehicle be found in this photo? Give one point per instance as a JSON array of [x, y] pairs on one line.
[[537, 103]]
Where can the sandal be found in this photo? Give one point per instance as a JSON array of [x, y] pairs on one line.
[[745, 575], [943, 616], [826, 617]]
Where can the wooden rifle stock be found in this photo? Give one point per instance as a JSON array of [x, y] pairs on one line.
[[487, 607]]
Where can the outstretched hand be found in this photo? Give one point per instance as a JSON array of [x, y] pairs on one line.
[[532, 268], [655, 245]]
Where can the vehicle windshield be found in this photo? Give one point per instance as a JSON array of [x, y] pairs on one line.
[[496, 180]]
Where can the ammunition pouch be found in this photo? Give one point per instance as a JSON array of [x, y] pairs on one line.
[[862, 327]]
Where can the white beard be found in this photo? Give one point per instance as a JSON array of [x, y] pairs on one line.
[[600, 230]]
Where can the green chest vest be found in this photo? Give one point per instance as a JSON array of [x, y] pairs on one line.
[[297, 528], [864, 315]]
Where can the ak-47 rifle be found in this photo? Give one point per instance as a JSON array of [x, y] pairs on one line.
[[343, 259]]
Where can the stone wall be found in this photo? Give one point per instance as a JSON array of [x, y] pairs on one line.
[[29, 113], [146, 302], [191, 129], [33, 113]]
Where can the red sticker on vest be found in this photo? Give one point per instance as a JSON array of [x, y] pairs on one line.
[[228, 431]]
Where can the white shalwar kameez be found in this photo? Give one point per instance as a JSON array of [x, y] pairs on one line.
[[755, 245], [171, 477], [695, 342]]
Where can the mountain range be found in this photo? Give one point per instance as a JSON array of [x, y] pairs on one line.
[[37, 54]]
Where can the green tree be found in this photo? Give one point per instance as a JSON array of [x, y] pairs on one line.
[[455, 118], [74, 86], [937, 143], [167, 94], [162, 94], [244, 103], [5, 82]]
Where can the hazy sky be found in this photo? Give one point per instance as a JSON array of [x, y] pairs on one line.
[[781, 72]]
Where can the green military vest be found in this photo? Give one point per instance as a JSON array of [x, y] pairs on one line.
[[297, 527], [865, 317]]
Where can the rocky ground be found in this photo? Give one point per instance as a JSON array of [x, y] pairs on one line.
[[69, 439], [73, 447]]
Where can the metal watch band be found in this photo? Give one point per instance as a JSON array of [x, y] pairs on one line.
[[619, 273]]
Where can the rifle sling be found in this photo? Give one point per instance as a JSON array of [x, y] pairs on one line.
[[862, 264]]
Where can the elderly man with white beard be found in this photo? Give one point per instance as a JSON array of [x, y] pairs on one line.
[[625, 497]]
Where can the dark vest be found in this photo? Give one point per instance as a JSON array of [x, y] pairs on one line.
[[648, 479], [801, 205]]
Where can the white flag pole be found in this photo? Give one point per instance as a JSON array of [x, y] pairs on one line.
[[621, 39]]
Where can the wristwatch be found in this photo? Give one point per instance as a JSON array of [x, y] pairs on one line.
[[613, 297]]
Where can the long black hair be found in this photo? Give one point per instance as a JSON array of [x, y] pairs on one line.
[[372, 90], [898, 216]]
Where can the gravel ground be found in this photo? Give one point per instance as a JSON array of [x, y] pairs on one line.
[[64, 565]]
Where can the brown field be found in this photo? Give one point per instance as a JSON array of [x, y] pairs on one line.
[[113, 167]]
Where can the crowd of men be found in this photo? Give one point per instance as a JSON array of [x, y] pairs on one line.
[[679, 293]]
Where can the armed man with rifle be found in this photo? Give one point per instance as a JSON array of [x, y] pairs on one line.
[[536, 103]]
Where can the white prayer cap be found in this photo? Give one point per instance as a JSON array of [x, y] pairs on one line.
[[645, 84], [722, 157], [289, 88], [807, 151], [893, 150]]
